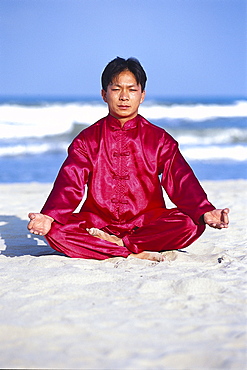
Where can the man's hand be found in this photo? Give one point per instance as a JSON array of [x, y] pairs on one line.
[[218, 218], [39, 224]]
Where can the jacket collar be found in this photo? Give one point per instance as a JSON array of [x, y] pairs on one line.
[[115, 124]]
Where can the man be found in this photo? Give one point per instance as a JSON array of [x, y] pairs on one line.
[[120, 159]]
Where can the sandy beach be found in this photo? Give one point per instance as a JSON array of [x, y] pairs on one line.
[[188, 312]]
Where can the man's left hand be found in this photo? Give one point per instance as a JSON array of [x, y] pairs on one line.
[[218, 218]]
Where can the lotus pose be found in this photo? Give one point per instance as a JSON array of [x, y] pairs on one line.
[[125, 161]]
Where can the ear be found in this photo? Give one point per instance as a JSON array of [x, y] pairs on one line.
[[143, 96], [103, 94]]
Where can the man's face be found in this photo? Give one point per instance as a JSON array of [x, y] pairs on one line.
[[123, 97]]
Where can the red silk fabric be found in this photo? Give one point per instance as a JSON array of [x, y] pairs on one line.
[[125, 169]]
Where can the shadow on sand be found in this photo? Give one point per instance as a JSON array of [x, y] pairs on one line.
[[18, 241]]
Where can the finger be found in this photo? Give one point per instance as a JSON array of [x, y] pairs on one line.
[[225, 216], [212, 224], [222, 226], [31, 216], [218, 226], [32, 230], [30, 225]]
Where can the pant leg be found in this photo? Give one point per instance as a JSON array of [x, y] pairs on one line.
[[73, 240], [172, 230]]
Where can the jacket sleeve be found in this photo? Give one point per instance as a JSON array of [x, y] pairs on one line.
[[182, 186], [69, 186]]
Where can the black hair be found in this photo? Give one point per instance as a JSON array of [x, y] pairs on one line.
[[118, 65]]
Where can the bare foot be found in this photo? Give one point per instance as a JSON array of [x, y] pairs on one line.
[[152, 256], [102, 235]]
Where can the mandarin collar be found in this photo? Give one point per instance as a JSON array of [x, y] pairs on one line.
[[115, 124]]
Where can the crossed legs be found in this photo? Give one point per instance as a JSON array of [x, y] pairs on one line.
[[173, 230]]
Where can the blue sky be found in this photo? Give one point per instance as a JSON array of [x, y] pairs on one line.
[[189, 48]]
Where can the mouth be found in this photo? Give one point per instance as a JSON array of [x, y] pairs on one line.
[[123, 106]]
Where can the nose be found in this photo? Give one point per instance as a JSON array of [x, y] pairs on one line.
[[124, 95]]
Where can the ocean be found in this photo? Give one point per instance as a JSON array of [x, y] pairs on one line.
[[35, 134]]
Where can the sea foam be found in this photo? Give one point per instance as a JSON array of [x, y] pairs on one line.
[[18, 121], [204, 131]]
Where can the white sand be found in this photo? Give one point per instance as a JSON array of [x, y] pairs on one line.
[[188, 312]]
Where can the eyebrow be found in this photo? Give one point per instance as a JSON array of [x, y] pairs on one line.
[[129, 85]]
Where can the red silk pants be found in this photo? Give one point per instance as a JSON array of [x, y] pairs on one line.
[[172, 230]]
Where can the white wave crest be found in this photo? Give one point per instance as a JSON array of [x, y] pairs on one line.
[[18, 121], [236, 153], [198, 112], [212, 136], [15, 150]]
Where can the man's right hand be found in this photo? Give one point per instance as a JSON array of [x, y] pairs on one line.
[[39, 224]]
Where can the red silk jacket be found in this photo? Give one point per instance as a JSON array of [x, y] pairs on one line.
[[122, 168]]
